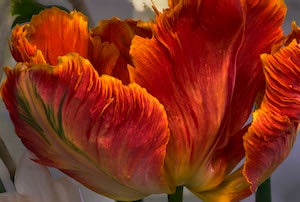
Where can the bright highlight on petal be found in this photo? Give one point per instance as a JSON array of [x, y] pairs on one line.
[[113, 136]]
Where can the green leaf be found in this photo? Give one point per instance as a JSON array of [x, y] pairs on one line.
[[7, 159], [25, 9]]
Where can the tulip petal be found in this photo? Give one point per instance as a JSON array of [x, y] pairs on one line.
[[233, 188], [119, 34], [53, 32], [249, 81], [186, 65], [198, 65], [114, 136], [274, 128], [295, 34], [258, 38]]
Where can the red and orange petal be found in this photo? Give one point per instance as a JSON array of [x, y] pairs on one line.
[[234, 188], [54, 32], [108, 136], [274, 128], [206, 70], [21, 49], [119, 34], [295, 34], [186, 65], [257, 38]]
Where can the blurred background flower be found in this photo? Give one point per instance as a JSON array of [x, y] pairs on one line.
[[285, 180]]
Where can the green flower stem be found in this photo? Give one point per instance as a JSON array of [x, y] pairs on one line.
[[7, 159], [177, 196], [263, 193], [2, 189]]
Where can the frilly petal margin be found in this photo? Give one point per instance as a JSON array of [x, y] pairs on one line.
[[119, 34], [114, 136], [53, 33], [50, 34], [274, 128], [295, 34]]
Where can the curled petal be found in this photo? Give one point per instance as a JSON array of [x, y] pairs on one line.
[[274, 128], [104, 56], [21, 49], [295, 34], [233, 188], [53, 32], [116, 34], [114, 136]]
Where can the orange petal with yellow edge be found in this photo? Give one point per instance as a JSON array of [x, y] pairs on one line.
[[274, 128], [54, 32], [233, 189], [106, 135]]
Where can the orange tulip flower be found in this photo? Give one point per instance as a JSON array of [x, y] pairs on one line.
[[130, 108]]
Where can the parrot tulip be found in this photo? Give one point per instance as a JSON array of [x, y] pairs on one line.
[[132, 108]]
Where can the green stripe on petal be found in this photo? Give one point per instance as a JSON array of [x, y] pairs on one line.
[[54, 119], [26, 115], [108, 136]]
